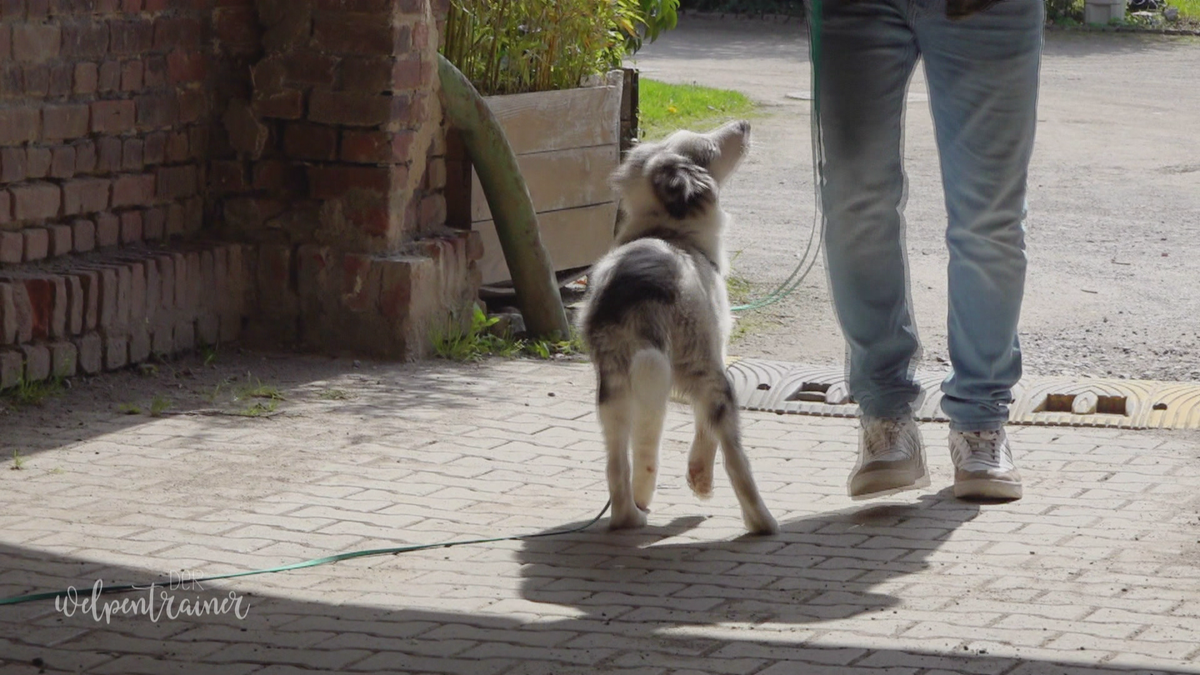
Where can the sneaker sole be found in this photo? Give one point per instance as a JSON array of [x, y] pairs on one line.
[[887, 483], [982, 488]]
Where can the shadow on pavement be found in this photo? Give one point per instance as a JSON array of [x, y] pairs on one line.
[[649, 602]]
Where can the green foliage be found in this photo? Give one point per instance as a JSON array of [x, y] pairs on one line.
[[1064, 12], [455, 343], [18, 460], [33, 393], [667, 107], [479, 340], [515, 46], [1188, 9]]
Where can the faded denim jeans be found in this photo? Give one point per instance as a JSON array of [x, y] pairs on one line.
[[982, 75]]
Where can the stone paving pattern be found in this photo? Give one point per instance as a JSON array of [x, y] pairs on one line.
[[1093, 572]]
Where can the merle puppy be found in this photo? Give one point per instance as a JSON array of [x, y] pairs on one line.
[[656, 318]]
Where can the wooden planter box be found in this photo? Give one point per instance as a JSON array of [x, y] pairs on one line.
[[567, 143]]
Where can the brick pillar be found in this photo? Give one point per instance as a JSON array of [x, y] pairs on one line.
[[339, 174]]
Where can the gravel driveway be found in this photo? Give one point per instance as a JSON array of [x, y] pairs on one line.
[[1114, 231]]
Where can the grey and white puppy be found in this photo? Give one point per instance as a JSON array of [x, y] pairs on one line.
[[656, 317]]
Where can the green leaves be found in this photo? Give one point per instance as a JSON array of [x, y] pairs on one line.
[[516, 46]]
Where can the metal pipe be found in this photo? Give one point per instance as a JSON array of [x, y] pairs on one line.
[[508, 198]]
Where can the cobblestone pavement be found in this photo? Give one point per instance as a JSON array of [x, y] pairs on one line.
[[1094, 571]]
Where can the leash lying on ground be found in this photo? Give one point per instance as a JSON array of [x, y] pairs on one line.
[[328, 560]]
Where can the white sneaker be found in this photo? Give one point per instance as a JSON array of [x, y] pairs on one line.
[[983, 465], [891, 458]]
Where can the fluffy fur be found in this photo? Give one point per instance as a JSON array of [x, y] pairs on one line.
[[657, 317]]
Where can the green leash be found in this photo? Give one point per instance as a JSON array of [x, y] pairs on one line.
[[798, 275], [328, 560]]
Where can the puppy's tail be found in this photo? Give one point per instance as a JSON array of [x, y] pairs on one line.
[[650, 377]]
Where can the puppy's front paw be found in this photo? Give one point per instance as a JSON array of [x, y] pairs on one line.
[[700, 479], [628, 520]]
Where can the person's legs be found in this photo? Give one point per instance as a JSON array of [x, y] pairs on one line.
[[867, 55], [983, 84], [865, 58], [982, 73]]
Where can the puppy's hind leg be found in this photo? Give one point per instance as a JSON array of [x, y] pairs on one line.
[[614, 408], [650, 379], [723, 419], [703, 453]]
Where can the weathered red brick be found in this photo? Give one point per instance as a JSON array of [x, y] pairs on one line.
[[237, 27], [12, 247], [310, 141], [116, 351], [85, 39], [63, 359], [133, 190], [62, 162], [331, 182], [12, 368], [110, 76], [193, 106], [133, 154], [60, 239], [61, 122], [108, 230], [155, 223], [113, 117], [37, 243], [20, 125], [157, 111], [186, 65], [87, 78], [131, 227], [37, 162], [91, 353], [133, 73], [83, 235], [155, 72], [345, 33], [12, 165], [287, 104], [85, 157], [85, 195], [89, 282], [376, 147], [37, 362], [350, 108], [155, 149], [227, 176], [60, 80], [76, 303], [8, 315], [177, 182], [37, 201], [109, 154], [32, 42], [130, 37]]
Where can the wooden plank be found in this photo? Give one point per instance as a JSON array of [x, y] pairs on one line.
[[562, 179], [557, 120], [575, 238]]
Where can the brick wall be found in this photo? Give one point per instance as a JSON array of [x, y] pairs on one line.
[[133, 131]]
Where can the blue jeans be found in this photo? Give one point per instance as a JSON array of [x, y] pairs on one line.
[[982, 74]]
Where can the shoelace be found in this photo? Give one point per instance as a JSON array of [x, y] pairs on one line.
[[985, 443], [889, 430]]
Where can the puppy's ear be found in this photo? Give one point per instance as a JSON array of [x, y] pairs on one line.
[[682, 187]]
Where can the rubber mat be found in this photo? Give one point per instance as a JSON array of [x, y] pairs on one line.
[[794, 389]]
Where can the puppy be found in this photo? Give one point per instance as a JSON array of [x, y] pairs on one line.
[[656, 317]]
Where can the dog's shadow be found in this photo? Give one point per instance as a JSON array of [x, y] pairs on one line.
[[818, 568]]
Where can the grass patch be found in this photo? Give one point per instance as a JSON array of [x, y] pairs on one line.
[[1188, 9], [159, 405], [259, 390], [478, 341], [33, 393], [665, 108], [18, 460], [259, 408]]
